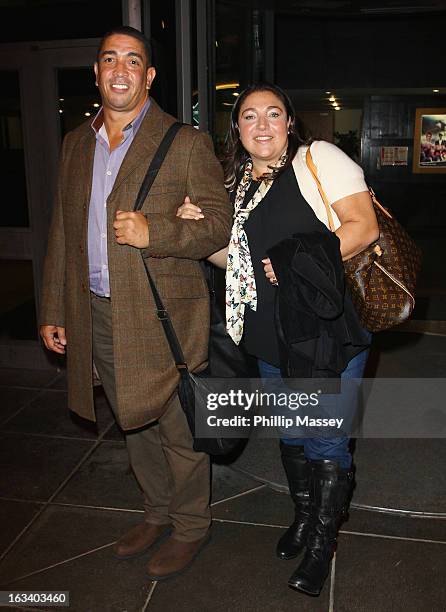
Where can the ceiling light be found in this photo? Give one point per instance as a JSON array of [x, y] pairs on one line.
[[227, 86], [61, 99], [337, 108], [328, 92], [235, 94], [332, 99], [96, 105], [87, 114], [436, 90], [60, 111]]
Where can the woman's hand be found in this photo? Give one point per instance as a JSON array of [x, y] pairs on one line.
[[187, 210], [269, 272]]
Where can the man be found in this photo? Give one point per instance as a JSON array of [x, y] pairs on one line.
[[96, 302]]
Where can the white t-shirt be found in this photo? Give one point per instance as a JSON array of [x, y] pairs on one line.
[[339, 175]]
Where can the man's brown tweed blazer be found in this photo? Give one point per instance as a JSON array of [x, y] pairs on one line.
[[145, 373]]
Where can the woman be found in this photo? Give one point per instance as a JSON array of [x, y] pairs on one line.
[[274, 198]]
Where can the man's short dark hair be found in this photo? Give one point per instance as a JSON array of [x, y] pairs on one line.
[[128, 31]]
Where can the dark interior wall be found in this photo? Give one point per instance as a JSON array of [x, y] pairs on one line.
[[24, 20], [397, 52], [417, 199]]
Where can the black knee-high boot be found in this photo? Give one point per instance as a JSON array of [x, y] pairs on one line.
[[330, 488], [296, 469]]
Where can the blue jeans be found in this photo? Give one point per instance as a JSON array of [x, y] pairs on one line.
[[335, 449]]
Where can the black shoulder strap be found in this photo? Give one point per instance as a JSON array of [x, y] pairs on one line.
[[147, 183], [163, 316], [156, 164]]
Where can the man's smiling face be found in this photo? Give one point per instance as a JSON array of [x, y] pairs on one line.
[[122, 73]]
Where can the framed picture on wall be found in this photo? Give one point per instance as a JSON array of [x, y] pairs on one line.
[[429, 146]]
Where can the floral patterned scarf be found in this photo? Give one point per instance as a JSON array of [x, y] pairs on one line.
[[240, 280]]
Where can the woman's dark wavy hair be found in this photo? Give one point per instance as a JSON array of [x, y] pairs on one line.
[[235, 155]]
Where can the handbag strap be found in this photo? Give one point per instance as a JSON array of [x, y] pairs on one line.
[[156, 164], [312, 168], [163, 316], [147, 183]]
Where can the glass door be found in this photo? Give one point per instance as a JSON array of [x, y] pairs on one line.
[[17, 306], [47, 90]]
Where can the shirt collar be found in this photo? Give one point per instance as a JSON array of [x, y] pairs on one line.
[[134, 125]]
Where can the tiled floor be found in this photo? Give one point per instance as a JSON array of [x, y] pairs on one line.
[[66, 493]]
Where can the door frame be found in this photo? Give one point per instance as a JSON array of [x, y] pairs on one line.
[[37, 64]]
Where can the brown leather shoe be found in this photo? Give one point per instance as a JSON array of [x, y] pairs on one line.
[[173, 557], [139, 539]]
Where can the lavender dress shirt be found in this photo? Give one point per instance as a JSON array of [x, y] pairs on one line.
[[105, 170]]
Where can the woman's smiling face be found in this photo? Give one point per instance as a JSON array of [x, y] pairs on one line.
[[263, 127]]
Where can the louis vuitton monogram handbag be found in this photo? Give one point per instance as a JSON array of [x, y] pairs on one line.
[[381, 278]]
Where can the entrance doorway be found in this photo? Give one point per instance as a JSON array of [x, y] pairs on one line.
[[48, 89]]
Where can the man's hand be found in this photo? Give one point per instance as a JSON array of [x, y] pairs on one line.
[[54, 338], [131, 228]]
